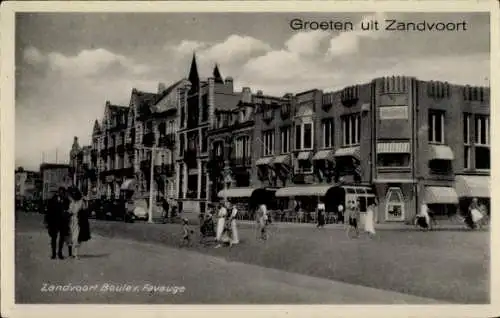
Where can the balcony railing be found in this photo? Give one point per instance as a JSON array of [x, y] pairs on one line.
[[148, 139], [167, 141]]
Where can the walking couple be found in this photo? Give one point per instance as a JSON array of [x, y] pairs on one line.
[[67, 219], [227, 231]]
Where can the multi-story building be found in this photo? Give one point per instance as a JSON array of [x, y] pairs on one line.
[[28, 186], [398, 140]]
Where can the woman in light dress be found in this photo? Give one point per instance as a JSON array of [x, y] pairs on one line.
[[262, 221], [370, 219], [221, 221], [75, 211], [423, 218], [234, 229]]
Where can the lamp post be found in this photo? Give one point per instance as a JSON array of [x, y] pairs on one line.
[[151, 182]]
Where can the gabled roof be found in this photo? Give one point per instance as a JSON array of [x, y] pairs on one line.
[[144, 102], [217, 76], [194, 77]]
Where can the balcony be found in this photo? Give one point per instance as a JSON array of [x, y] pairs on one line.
[[241, 162], [167, 170], [167, 140], [148, 139]]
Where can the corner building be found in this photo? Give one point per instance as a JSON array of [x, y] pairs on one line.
[[399, 140]]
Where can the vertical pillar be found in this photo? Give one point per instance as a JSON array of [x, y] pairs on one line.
[[184, 179], [199, 179]]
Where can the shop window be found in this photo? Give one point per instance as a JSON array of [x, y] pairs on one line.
[[482, 158], [440, 166], [393, 160], [395, 206], [304, 166]]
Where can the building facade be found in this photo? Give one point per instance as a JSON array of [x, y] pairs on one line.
[[397, 140]]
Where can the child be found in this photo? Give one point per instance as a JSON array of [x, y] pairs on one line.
[[187, 232]]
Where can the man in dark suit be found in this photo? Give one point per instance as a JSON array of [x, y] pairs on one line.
[[56, 221]]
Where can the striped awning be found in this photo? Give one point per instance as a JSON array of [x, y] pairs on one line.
[[440, 152], [128, 184], [304, 155], [264, 161], [282, 160], [393, 147], [440, 195], [348, 151], [236, 193], [473, 186], [324, 155], [303, 191]]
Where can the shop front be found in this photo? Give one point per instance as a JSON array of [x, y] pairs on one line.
[[247, 199], [441, 201]]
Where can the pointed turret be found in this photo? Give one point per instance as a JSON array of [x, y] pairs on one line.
[[97, 128], [194, 78], [217, 76]]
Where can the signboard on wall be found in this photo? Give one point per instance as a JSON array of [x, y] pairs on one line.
[[393, 112]]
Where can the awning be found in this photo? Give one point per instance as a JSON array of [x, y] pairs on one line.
[[473, 186], [282, 160], [440, 152], [264, 161], [393, 147], [440, 195], [236, 193], [303, 191], [304, 155], [128, 184], [348, 151], [324, 155]]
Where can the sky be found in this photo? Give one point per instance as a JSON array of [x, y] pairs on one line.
[[69, 64]]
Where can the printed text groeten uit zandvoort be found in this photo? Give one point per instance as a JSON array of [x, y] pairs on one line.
[[375, 25], [113, 288]]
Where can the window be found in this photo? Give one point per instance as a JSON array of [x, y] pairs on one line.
[[351, 129], [285, 139], [482, 142], [436, 127], [219, 149], [393, 160], [328, 133], [298, 139], [304, 136], [303, 166], [182, 145], [395, 206], [204, 100], [183, 117], [203, 192], [268, 143], [204, 141], [440, 166], [466, 135], [242, 149], [482, 127], [483, 158]]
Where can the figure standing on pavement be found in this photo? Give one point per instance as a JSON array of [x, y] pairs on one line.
[[474, 215], [353, 216], [262, 218], [340, 214], [321, 215], [221, 221], [56, 221], [234, 228], [370, 219], [79, 230], [423, 218]]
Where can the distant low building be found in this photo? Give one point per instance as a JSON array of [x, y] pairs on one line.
[[54, 175], [28, 184]]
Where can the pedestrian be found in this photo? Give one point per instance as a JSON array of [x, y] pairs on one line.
[[76, 219], [262, 221], [234, 228], [353, 217], [320, 210], [340, 213], [370, 219], [423, 218], [474, 215], [166, 210], [221, 220], [186, 232], [56, 221]]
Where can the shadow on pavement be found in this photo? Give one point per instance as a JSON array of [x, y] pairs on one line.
[[93, 255]]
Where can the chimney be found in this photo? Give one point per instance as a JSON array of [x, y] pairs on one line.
[[246, 95], [161, 87], [229, 84]]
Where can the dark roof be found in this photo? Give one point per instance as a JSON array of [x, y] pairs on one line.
[[144, 101], [217, 75], [167, 91], [194, 77]]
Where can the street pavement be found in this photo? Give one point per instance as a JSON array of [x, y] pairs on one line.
[[296, 265]]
